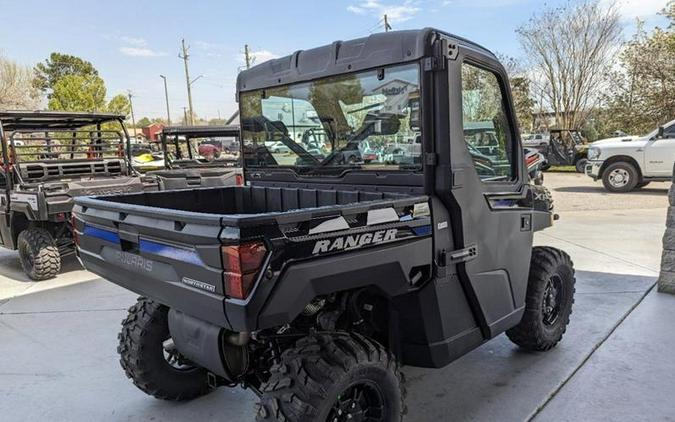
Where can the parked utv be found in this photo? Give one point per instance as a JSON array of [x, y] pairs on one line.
[[314, 282], [566, 147], [47, 159], [199, 156]]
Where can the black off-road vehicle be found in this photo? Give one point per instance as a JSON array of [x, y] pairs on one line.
[[47, 159], [199, 156], [316, 280]]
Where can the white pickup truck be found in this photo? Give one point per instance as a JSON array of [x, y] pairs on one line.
[[631, 162]]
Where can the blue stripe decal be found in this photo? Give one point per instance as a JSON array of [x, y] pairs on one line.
[[103, 234], [422, 230], [171, 252]]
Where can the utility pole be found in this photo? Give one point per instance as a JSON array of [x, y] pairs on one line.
[[387, 27], [131, 106], [166, 96], [185, 116], [247, 56], [185, 58]]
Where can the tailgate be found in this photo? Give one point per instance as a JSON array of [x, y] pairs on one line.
[[167, 255]]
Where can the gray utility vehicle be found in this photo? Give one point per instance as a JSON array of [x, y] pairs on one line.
[[47, 159], [316, 280], [199, 156]]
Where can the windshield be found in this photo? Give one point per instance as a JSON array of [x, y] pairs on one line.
[[366, 120], [202, 150]]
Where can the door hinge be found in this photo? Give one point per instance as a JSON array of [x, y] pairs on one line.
[[443, 51], [432, 64]]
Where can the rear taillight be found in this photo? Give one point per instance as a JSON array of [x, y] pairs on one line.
[[241, 264]]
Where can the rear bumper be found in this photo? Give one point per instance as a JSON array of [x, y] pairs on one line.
[[593, 169], [161, 284]]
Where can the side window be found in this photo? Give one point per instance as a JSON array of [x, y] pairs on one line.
[[669, 132], [486, 128]]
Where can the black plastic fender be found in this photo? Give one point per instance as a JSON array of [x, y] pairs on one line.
[[388, 268]]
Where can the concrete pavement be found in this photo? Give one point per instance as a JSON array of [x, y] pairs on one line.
[[60, 362]]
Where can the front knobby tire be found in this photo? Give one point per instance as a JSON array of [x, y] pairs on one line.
[[154, 370], [38, 253], [334, 377], [548, 305]]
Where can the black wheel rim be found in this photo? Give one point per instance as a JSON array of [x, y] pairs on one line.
[[553, 300], [360, 402]]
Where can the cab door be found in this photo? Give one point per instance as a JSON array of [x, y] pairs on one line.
[[492, 229], [659, 154], [5, 185]]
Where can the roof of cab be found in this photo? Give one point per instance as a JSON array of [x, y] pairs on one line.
[[52, 120], [339, 57]]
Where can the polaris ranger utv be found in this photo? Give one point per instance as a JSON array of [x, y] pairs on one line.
[[316, 280], [47, 159], [199, 156]]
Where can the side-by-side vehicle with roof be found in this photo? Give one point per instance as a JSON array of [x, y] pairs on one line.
[[316, 280], [47, 159]]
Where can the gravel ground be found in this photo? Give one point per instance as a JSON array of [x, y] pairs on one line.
[[578, 192]]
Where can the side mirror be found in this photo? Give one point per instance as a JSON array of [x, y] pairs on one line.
[[661, 132]]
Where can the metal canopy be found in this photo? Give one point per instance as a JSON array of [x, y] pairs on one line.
[[201, 131], [52, 120]]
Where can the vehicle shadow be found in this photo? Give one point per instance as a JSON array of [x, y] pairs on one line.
[[501, 382]]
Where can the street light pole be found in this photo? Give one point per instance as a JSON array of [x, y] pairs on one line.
[[166, 96]]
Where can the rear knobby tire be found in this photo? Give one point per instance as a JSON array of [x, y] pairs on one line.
[[39, 255], [543, 326], [142, 356], [323, 374]]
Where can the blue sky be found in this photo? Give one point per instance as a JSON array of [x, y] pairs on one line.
[[132, 42]]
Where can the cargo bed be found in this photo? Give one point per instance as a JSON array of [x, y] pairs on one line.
[[167, 244]]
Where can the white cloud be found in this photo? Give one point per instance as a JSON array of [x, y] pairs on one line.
[[259, 56], [140, 52], [400, 12], [632, 9], [138, 42]]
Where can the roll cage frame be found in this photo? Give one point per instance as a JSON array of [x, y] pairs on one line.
[[24, 122]]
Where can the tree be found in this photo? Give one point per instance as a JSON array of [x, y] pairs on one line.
[[143, 122], [16, 90], [57, 66], [520, 91], [569, 50], [78, 93], [641, 95], [119, 104]]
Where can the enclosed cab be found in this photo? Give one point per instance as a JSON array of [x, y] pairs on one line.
[[386, 218]]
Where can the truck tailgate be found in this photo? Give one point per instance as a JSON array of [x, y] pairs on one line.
[[173, 258]]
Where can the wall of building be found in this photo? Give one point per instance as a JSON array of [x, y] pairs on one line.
[[667, 276]]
